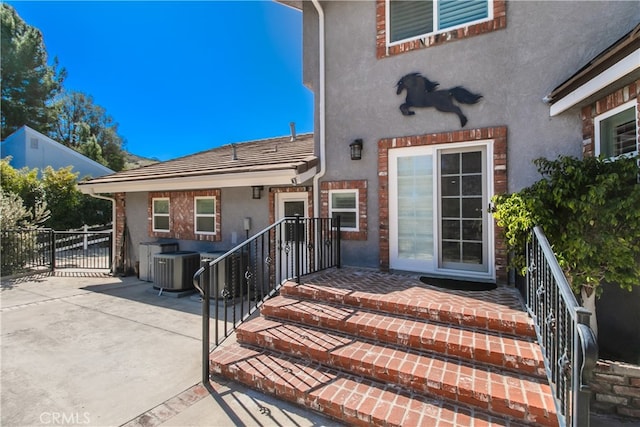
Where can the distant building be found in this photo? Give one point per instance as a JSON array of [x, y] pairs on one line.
[[32, 149]]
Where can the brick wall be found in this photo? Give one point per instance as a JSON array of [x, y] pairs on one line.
[[499, 137], [616, 388], [360, 185], [181, 215]]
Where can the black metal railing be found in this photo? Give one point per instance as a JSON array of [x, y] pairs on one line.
[[36, 249], [238, 282], [568, 344], [27, 249]]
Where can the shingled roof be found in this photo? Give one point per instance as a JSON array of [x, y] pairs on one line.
[[274, 161]]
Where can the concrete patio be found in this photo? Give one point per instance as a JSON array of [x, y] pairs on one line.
[[89, 349]]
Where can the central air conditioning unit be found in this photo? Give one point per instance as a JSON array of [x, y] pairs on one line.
[[173, 271], [145, 256]]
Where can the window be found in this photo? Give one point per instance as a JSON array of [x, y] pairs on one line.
[[205, 215], [161, 214], [345, 204], [411, 19], [616, 131]]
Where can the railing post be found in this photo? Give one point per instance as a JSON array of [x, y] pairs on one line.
[[206, 291], [338, 239], [52, 246], [584, 360], [297, 243]]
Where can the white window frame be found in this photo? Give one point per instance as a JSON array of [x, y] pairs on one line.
[[355, 210], [154, 214], [435, 23], [619, 109], [196, 215]]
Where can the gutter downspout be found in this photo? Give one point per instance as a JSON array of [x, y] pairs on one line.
[[321, 108], [113, 226]]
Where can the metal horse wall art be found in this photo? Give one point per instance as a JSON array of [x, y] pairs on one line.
[[421, 93]]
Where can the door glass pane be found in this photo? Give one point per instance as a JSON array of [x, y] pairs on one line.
[[294, 208], [471, 208], [450, 164], [451, 208], [450, 186], [415, 207], [472, 162], [450, 229], [461, 200], [471, 185], [472, 253]]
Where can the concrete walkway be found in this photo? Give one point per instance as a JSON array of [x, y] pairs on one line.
[[89, 349]]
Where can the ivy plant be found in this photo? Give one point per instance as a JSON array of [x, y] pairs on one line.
[[589, 210]]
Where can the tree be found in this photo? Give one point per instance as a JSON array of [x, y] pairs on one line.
[[589, 210], [81, 122], [29, 84], [58, 190]]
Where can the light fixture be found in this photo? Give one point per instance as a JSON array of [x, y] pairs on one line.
[[356, 149], [257, 191]]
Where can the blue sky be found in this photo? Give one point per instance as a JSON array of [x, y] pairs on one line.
[[181, 77]]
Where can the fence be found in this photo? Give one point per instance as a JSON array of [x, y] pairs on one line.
[[238, 282], [568, 344], [32, 250]]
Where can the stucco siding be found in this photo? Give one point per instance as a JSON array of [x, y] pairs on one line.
[[514, 69]]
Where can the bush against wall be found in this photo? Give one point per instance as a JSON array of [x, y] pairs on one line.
[[589, 210]]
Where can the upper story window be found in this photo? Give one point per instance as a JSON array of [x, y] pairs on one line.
[[344, 203], [410, 18], [160, 214], [406, 25], [205, 215], [616, 131]]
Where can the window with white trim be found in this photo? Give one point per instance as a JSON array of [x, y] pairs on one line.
[[344, 203], [205, 215], [160, 214], [409, 19], [616, 131]]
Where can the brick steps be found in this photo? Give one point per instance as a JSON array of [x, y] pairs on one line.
[[382, 349], [497, 349], [423, 304], [346, 397], [490, 390]]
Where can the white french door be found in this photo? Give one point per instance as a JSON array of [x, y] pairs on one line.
[[438, 217]]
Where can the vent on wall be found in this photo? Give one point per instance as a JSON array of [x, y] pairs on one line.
[[34, 143]]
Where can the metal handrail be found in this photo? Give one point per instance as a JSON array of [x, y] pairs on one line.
[[568, 344], [239, 281]]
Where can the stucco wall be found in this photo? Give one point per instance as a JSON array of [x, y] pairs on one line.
[[514, 69]]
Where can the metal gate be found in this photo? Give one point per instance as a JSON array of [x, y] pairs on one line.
[[33, 250]]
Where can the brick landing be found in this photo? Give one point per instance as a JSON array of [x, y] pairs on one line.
[[372, 348]]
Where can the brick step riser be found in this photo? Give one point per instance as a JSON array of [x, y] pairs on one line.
[[430, 344], [453, 390], [357, 402], [514, 328]]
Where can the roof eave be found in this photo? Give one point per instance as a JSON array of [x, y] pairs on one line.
[[615, 64], [269, 178]]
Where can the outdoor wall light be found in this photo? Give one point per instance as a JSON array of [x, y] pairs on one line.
[[356, 149], [257, 191]]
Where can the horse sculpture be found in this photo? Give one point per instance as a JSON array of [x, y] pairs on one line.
[[421, 93]]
